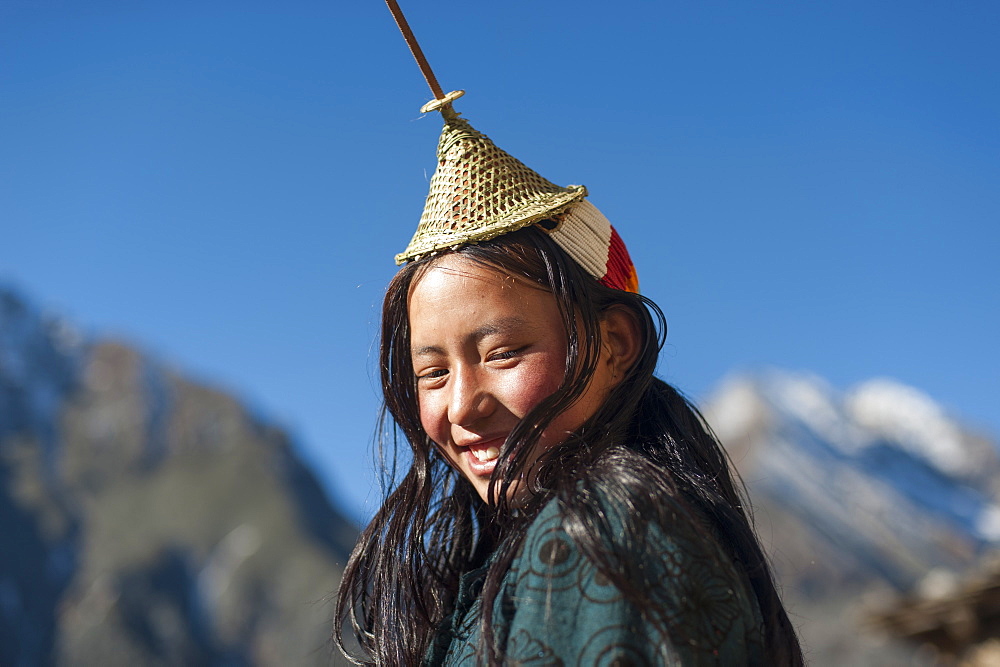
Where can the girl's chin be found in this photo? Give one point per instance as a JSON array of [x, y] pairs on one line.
[[517, 494]]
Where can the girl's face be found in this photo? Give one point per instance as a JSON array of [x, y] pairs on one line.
[[487, 348]]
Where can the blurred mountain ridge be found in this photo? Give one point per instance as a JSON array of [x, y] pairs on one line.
[[860, 497], [150, 519]]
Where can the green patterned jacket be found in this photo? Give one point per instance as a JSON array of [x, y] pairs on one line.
[[555, 608]]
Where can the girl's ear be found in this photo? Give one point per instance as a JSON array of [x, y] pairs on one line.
[[620, 340]]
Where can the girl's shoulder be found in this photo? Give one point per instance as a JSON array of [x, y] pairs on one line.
[[695, 607]]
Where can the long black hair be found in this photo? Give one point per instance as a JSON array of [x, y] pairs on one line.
[[646, 448]]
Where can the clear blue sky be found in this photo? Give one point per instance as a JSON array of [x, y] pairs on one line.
[[814, 186]]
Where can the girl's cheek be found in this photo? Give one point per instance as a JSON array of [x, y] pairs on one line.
[[532, 387], [428, 420]]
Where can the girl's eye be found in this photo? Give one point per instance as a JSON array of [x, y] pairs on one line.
[[437, 373], [506, 354]]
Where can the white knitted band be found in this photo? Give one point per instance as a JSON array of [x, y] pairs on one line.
[[585, 234]]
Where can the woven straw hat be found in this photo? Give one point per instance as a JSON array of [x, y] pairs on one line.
[[479, 192]]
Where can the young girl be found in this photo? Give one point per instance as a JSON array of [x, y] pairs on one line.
[[563, 505]]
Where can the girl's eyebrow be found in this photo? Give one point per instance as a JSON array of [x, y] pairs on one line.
[[494, 328], [501, 326]]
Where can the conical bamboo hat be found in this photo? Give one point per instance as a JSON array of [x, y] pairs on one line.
[[479, 192]]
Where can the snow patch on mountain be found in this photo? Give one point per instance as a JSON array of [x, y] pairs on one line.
[[889, 410]]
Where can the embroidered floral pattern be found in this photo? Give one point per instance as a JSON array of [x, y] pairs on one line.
[[558, 609]]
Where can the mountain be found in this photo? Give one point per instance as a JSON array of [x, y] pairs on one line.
[[148, 518], [859, 497]]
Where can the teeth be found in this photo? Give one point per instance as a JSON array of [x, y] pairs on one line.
[[487, 454]]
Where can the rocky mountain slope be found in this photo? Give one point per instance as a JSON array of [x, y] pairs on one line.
[[149, 519], [859, 497]]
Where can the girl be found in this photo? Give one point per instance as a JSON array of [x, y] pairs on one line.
[[563, 505]]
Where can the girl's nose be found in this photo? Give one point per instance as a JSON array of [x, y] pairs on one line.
[[470, 400]]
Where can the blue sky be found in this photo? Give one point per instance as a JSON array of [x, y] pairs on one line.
[[813, 187]]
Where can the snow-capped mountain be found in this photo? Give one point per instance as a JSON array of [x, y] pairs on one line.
[[857, 494]]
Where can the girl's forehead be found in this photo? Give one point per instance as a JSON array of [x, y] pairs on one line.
[[458, 272], [457, 264], [455, 293]]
